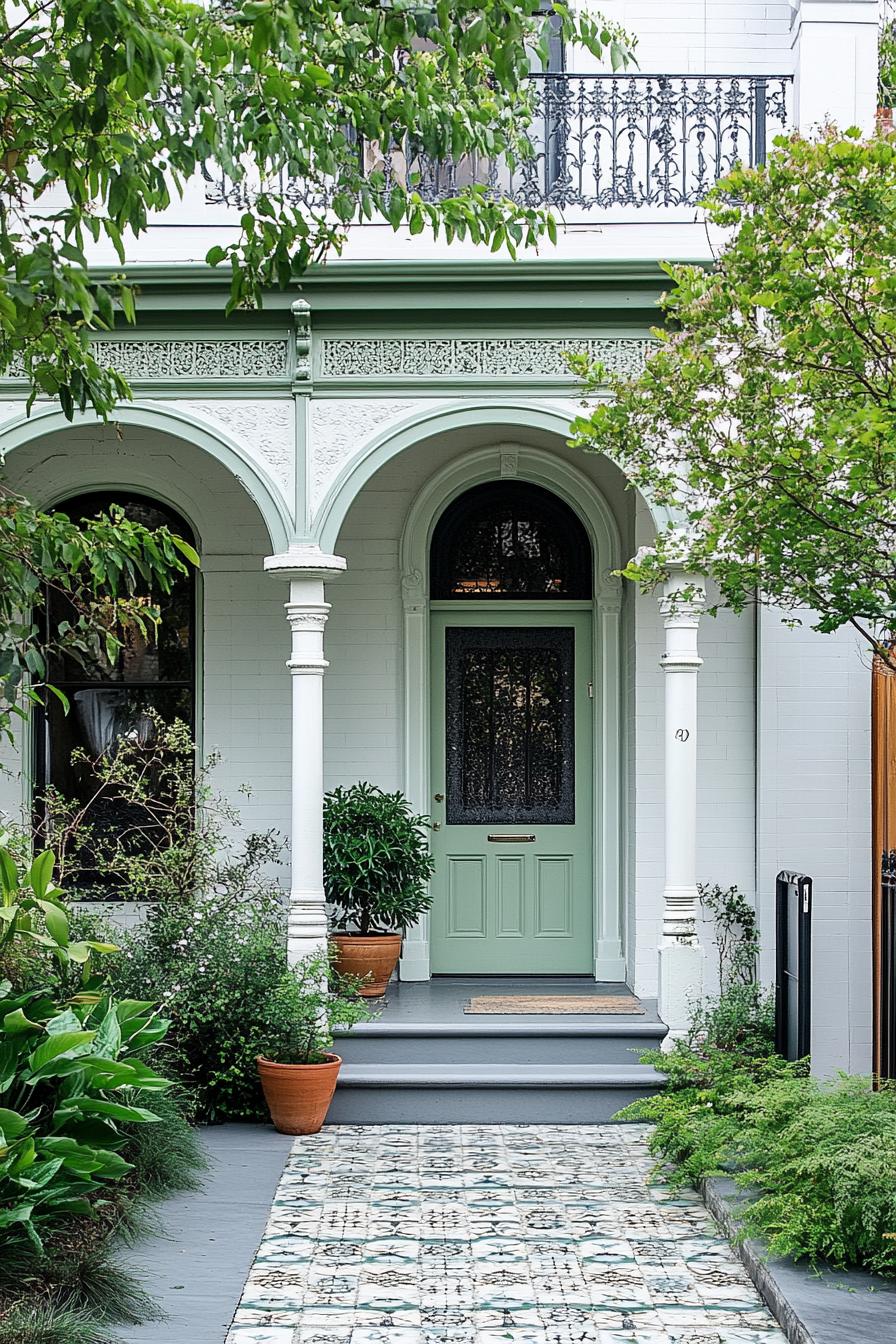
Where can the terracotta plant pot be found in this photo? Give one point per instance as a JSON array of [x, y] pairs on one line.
[[298, 1095], [371, 957]]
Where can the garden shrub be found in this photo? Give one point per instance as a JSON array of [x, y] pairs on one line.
[[77, 1095], [819, 1157], [213, 943], [212, 962], [154, 829]]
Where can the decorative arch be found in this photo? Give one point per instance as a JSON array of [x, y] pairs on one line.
[[179, 424], [503, 416], [564, 479]]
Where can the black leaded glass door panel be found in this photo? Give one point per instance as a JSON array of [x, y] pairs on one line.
[[511, 752]]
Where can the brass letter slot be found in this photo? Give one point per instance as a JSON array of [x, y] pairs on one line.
[[512, 839]]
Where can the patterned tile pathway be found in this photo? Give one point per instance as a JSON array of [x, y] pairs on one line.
[[491, 1234]]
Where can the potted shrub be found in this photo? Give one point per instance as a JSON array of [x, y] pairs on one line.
[[298, 1068], [377, 867]]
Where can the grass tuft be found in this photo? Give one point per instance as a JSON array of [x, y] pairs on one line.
[[44, 1323]]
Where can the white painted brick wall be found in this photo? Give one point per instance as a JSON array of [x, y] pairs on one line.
[[815, 814], [703, 36]]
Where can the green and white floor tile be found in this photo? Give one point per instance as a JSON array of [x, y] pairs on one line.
[[491, 1234]]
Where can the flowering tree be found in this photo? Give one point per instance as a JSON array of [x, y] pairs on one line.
[[766, 419]]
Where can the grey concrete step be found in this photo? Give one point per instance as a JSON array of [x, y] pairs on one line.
[[490, 1093], [485, 1042]]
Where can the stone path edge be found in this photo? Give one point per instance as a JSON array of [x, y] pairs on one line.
[[862, 1312], [720, 1197]]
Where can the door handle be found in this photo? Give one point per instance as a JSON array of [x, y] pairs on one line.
[[438, 797], [511, 839], [436, 825]]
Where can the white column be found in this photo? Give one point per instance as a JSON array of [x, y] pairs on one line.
[[835, 64], [306, 568], [680, 954], [609, 960], [414, 964]]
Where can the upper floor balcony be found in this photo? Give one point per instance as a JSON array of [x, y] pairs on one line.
[[597, 142]]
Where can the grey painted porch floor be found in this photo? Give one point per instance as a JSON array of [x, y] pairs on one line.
[[196, 1267], [442, 998]]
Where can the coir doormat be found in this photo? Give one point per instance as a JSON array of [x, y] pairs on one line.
[[554, 1003]]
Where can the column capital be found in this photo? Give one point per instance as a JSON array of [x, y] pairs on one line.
[[683, 599], [304, 560]]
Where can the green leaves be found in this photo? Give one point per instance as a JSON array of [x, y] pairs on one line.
[[106, 567], [766, 420], [128, 102], [70, 1087], [377, 862]]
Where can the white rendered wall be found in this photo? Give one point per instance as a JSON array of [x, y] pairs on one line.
[[815, 818], [244, 700]]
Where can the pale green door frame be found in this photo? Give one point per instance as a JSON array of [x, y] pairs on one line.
[[560, 473], [513, 897]]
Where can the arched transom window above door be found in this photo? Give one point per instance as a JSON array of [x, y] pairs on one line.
[[510, 540]]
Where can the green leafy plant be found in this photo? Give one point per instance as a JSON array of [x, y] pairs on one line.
[[32, 913], [765, 420], [308, 1002], [105, 567], [110, 107], [69, 1081], [735, 933], [377, 863], [818, 1158], [173, 835], [741, 1017], [70, 1072], [886, 64], [211, 960]]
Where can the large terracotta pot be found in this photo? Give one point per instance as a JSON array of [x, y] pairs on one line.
[[372, 957], [298, 1095]]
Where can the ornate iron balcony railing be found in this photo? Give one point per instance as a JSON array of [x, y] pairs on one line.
[[600, 141]]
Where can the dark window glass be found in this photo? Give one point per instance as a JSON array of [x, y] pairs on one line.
[[108, 699], [510, 540], [511, 743]]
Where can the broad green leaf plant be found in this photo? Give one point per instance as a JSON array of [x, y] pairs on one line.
[[766, 420], [72, 1068], [310, 111], [32, 910]]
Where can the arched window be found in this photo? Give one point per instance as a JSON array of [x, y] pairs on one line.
[[109, 699], [510, 539]]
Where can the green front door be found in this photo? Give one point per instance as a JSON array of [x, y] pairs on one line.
[[511, 792]]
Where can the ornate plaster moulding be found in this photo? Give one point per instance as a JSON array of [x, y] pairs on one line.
[[263, 427], [356, 358], [338, 430]]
